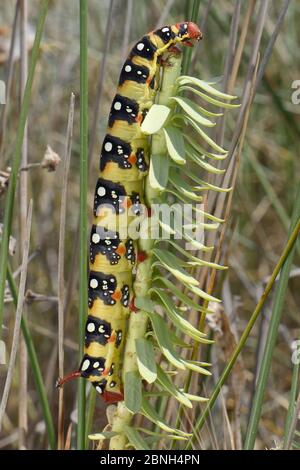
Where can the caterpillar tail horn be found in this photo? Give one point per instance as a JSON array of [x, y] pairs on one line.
[[108, 397], [62, 380]]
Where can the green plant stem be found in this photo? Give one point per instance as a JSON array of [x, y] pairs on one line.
[[9, 204], [200, 422], [272, 336], [90, 414], [83, 213], [35, 368], [291, 408], [187, 55]]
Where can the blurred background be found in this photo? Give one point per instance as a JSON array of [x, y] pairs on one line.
[[256, 232]]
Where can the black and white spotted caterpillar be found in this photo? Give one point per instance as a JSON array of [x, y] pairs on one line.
[[124, 163]]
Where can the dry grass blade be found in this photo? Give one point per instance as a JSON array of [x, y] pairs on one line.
[[23, 195], [100, 83], [127, 28], [16, 334], [272, 41], [61, 276], [164, 14]]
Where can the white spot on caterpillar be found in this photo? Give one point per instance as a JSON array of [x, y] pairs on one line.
[[101, 191], [95, 238], [101, 329], [139, 72], [111, 279], [99, 389], [117, 106], [128, 68], [85, 365], [90, 327], [93, 283], [140, 46], [96, 364], [108, 146], [165, 30]]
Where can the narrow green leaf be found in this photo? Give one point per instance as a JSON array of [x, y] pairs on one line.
[[186, 80], [197, 261], [176, 317], [146, 360], [197, 398], [192, 111], [201, 293], [205, 137], [209, 99], [166, 228], [133, 391], [195, 366], [135, 438], [184, 187], [102, 435], [161, 436], [197, 244], [205, 184], [170, 263], [155, 119], [178, 342], [181, 296], [167, 385], [162, 336], [152, 415], [175, 144], [200, 161], [201, 150], [159, 172]]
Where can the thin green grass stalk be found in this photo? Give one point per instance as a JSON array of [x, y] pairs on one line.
[[200, 422], [34, 367], [272, 336], [10, 198], [90, 414], [187, 55], [292, 430], [83, 213], [291, 408]]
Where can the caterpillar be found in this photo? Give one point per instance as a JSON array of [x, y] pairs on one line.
[[119, 194]]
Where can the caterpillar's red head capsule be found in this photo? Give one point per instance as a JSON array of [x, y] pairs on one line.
[[187, 32], [193, 31]]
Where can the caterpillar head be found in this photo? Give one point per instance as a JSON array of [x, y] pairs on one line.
[[187, 32]]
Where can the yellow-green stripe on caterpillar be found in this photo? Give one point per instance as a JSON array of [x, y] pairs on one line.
[[124, 163]]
